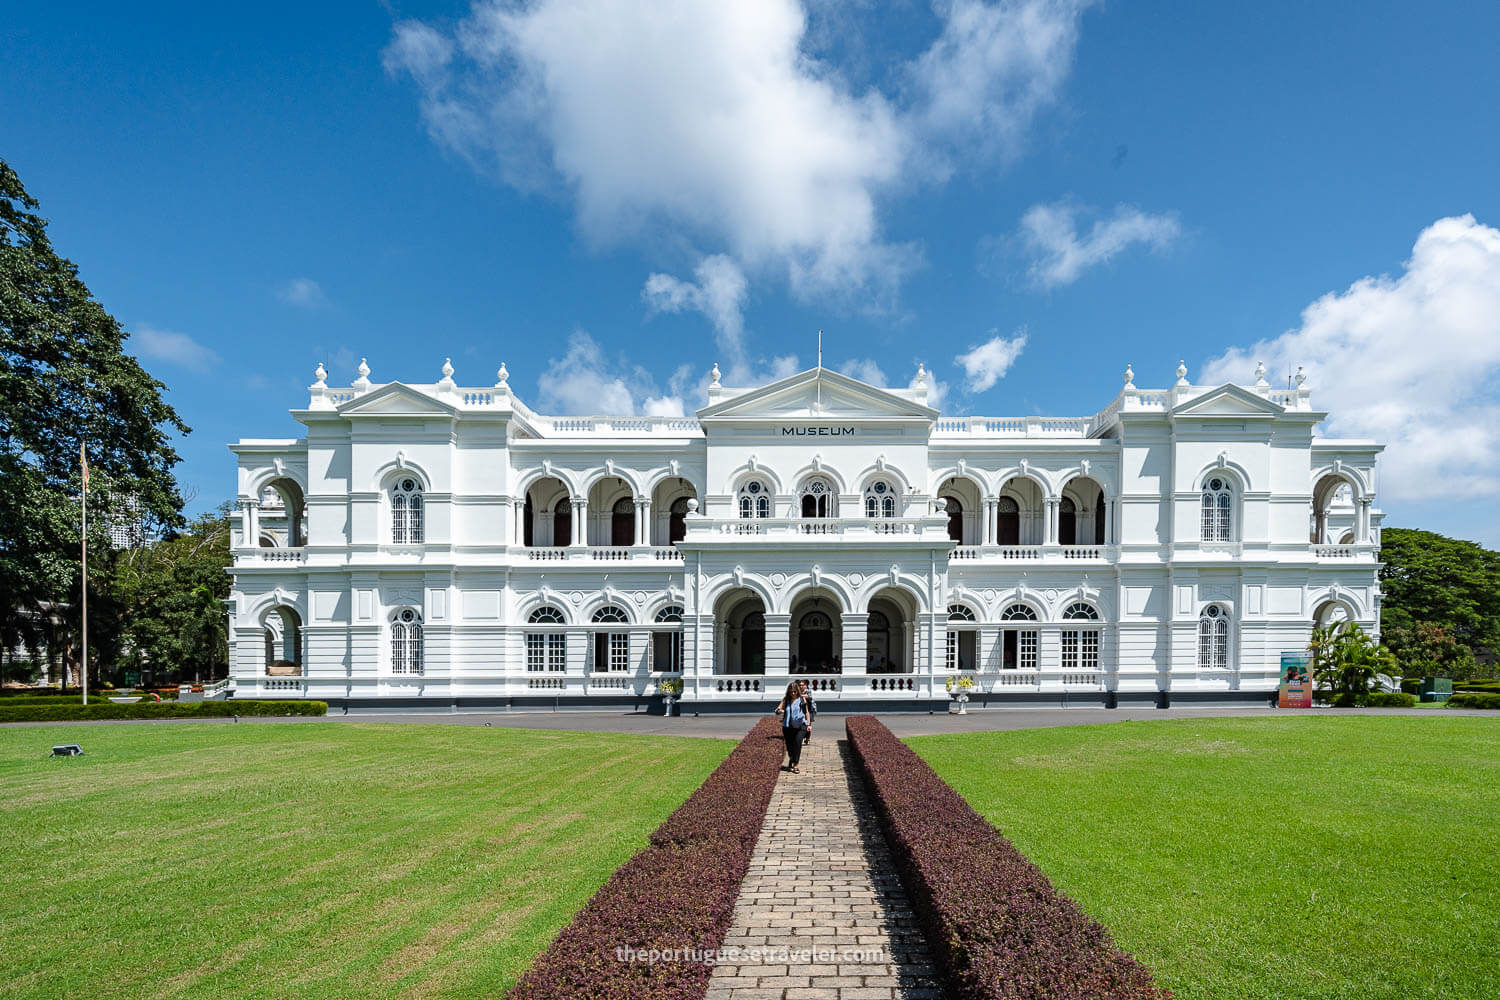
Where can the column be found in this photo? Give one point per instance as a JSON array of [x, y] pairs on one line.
[[778, 645], [643, 521], [1049, 509], [245, 534], [580, 522], [519, 536], [253, 539], [1362, 528], [855, 644], [987, 536]]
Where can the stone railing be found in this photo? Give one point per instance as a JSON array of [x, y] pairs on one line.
[[701, 528], [1011, 427], [294, 556]]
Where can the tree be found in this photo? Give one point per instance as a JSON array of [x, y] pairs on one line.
[[1431, 579], [170, 599], [66, 380], [1345, 661], [1430, 650]]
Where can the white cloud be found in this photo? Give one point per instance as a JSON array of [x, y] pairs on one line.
[[987, 363], [864, 369], [172, 348], [1049, 233], [303, 292], [714, 123], [1412, 361], [718, 294], [585, 381]]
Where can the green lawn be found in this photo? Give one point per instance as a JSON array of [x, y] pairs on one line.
[[313, 859], [1277, 858]]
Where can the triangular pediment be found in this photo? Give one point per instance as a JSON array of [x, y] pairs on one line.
[[818, 394], [1227, 401], [396, 400]]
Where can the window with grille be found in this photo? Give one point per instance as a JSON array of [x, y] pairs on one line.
[[1218, 501], [817, 499], [1080, 611], [1028, 644], [1018, 613], [961, 613], [754, 500], [1213, 639], [880, 500], [1080, 649], [546, 651], [666, 646], [611, 650], [406, 642], [406, 512]]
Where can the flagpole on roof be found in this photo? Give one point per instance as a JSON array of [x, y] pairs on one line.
[[83, 461], [819, 377]]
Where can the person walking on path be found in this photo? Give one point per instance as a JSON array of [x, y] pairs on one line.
[[812, 708], [793, 714]]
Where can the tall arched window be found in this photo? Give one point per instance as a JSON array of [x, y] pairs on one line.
[[666, 640], [1019, 644], [880, 499], [955, 519], [622, 522], [963, 642], [562, 523], [547, 650], [1213, 638], [817, 499], [406, 512], [1067, 522], [677, 521], [1218, 502], [1099, 511], [406, 642], [1080, 645], [611, 649], [754, 500], [1009, 527]]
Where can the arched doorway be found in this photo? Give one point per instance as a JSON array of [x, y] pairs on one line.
[[547, 517], [622, 522], [282, 629], [1020, 513], [955, 519], [611, 513], [963, 501], [740, 633], [816, 633], [669, 505], [891, 637]]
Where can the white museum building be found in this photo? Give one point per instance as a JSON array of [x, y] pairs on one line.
[[445, 546]]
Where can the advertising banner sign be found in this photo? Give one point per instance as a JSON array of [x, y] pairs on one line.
[[1296, 681]]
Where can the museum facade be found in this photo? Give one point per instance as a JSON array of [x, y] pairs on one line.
[[445, 546]]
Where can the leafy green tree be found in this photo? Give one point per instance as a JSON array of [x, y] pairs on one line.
[[1428, 578], [1346, 659], [66, 380], [1430, 650], [169, 599]]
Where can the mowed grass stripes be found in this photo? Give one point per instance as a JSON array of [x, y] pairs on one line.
[[313, 859], [1302, 857]]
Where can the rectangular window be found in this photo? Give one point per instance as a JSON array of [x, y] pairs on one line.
[[665, 651], [557, 652], [1070, 649], [619, 651], [952, 658], [1028, 642], [536, 652], [1090, 650]]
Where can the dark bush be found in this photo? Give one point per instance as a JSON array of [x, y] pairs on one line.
[[675, 896], [1387, 699], [1411, 685], [155, 710], [1474, 699], [997, 927]]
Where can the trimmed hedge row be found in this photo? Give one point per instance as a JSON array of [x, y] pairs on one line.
[[158, 710], [1474, 699], [997, 928], [674, 898], [1375, 699]]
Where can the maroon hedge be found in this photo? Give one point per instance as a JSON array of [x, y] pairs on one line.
[[674, 898], [997, 927]]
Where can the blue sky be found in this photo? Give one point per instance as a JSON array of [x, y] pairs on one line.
[[611, 197]]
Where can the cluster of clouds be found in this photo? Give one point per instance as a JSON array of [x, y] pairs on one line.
[[716, 128], [1411, 360]]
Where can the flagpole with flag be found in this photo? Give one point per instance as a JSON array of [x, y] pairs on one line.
[[83, 460]]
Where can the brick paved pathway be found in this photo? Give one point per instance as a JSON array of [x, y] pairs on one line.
[[822, 884]]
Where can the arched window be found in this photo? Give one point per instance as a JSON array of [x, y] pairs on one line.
[[406, 642], [955, 519], [666, 640], [611, 649], [546, 651], [1067, 522], [1099, 511], [677, 521], [1213, 638], [562, 523], [1080, 646], [1218, 500], [880, 500], [817, 499], [1009, 527], [622, 522], [1019, 645], [406, 512], [754, 500], [962, 642]]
